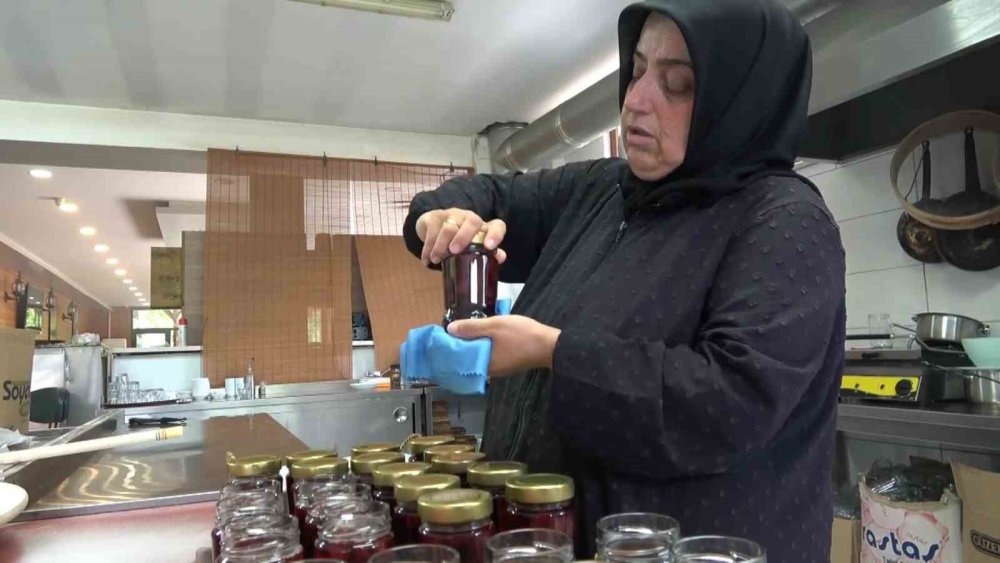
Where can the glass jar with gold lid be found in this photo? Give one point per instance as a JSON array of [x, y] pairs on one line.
[[417, 445], [540, 500], [408, 490], [296, 458], [456, 464], [459, 519], [492, 476], [255, 471], [384, 479], [363, 465], [374, 447], [305, 472], [453, 448]]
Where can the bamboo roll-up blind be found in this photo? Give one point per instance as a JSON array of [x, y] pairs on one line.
[[277, 267]]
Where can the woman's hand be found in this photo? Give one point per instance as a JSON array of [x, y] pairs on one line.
[[519, 343], [450, 231]]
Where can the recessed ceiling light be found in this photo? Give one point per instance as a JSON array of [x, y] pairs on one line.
[[88, 231], [111, 261], [138, 294], [133, 288], [101, 248], [40, 173], [67, 206], [126, 281], [120, 272], [142, 300]]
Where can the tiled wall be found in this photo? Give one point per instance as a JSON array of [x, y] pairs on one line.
[[881, 278]]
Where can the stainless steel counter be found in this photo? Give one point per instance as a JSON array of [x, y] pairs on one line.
[[959, 426], [178, 471]]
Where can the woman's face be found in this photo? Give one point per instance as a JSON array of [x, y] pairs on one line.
[[656, 115]]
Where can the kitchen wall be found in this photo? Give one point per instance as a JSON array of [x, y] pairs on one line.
[[92, 315], [880, 276]]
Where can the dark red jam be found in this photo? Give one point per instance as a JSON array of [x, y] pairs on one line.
[[468, 539], [406, 523], [354, 540], [557, 516]]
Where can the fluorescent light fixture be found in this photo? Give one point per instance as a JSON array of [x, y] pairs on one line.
[[100, 248], [88, 231], [67, 206], [427, 9], [40, 173], [111, 261], [127, 282], [120, 272]]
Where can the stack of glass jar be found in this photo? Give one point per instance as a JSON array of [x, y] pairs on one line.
[[251, 518], [294, 459]]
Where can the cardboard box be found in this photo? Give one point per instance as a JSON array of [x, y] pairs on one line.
[[845, 546], [980, 492], [904, 532], [17, 351]]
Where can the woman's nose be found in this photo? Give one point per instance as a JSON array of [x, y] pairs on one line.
[[638, 98]]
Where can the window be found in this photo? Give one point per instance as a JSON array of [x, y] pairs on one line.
[[153, 328]]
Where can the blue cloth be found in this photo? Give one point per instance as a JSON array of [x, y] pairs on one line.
[[460, 366]]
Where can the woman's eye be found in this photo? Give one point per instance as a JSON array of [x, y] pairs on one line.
[[677, 81]]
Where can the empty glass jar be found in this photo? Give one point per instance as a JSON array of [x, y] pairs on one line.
[[417, 554], [297, 458], [459, 519], [717, 549], [530, 545], [408, 490], [540, 500], [270, 545], [384, 479], [335, 508], [492, 476], [660, 532], [325, 468]]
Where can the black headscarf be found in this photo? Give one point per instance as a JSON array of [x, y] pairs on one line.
[[753, 72]]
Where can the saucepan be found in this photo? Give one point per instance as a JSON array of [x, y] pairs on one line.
[[937, 329]]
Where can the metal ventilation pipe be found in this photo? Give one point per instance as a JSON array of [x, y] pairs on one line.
[[592, 113]]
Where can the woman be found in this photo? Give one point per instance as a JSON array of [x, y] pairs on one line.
[[678, 344]]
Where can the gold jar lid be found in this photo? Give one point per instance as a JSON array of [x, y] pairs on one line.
[[479, 238], [411, 487], [366, 463], [455, 464], [419, 444], [540, 488], [308, 454], [373, 447], [455, 506], [386, 475], [307, 468], [495, 473], [432, 451], [253, 465]]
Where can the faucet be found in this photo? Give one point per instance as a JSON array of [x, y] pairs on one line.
[[249, 389]]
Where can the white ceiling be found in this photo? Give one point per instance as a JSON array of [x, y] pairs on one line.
[[120, 204], [282, 60]]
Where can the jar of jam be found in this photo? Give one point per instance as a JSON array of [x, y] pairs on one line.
[[334, 508], [297, 457], [417, 445], [363, 465], [374, 447], [470, 282], [540, 500], [492, 476], [321, 487], [408, 490], [459, 519], [235, 509], [456, 464], [354, 540], [453, 448], [254, 469], [384, 479], [270, 545], [310, 469]]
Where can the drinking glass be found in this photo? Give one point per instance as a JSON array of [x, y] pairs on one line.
[[134, 392], [636, 525], [530, 545], [717, 549], [417, 554], [880, 323]]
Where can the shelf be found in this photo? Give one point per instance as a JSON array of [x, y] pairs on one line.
[[158, 350], [960, 426]]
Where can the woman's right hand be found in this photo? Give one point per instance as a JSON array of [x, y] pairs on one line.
[[450, 231]]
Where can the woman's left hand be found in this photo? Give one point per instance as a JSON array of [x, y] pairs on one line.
[[519, 343]]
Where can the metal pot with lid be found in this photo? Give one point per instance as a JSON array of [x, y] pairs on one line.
[[943, 328]]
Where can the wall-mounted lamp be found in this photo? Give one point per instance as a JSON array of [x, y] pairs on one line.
[[50, 301], [71, 311], [19, 288]]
